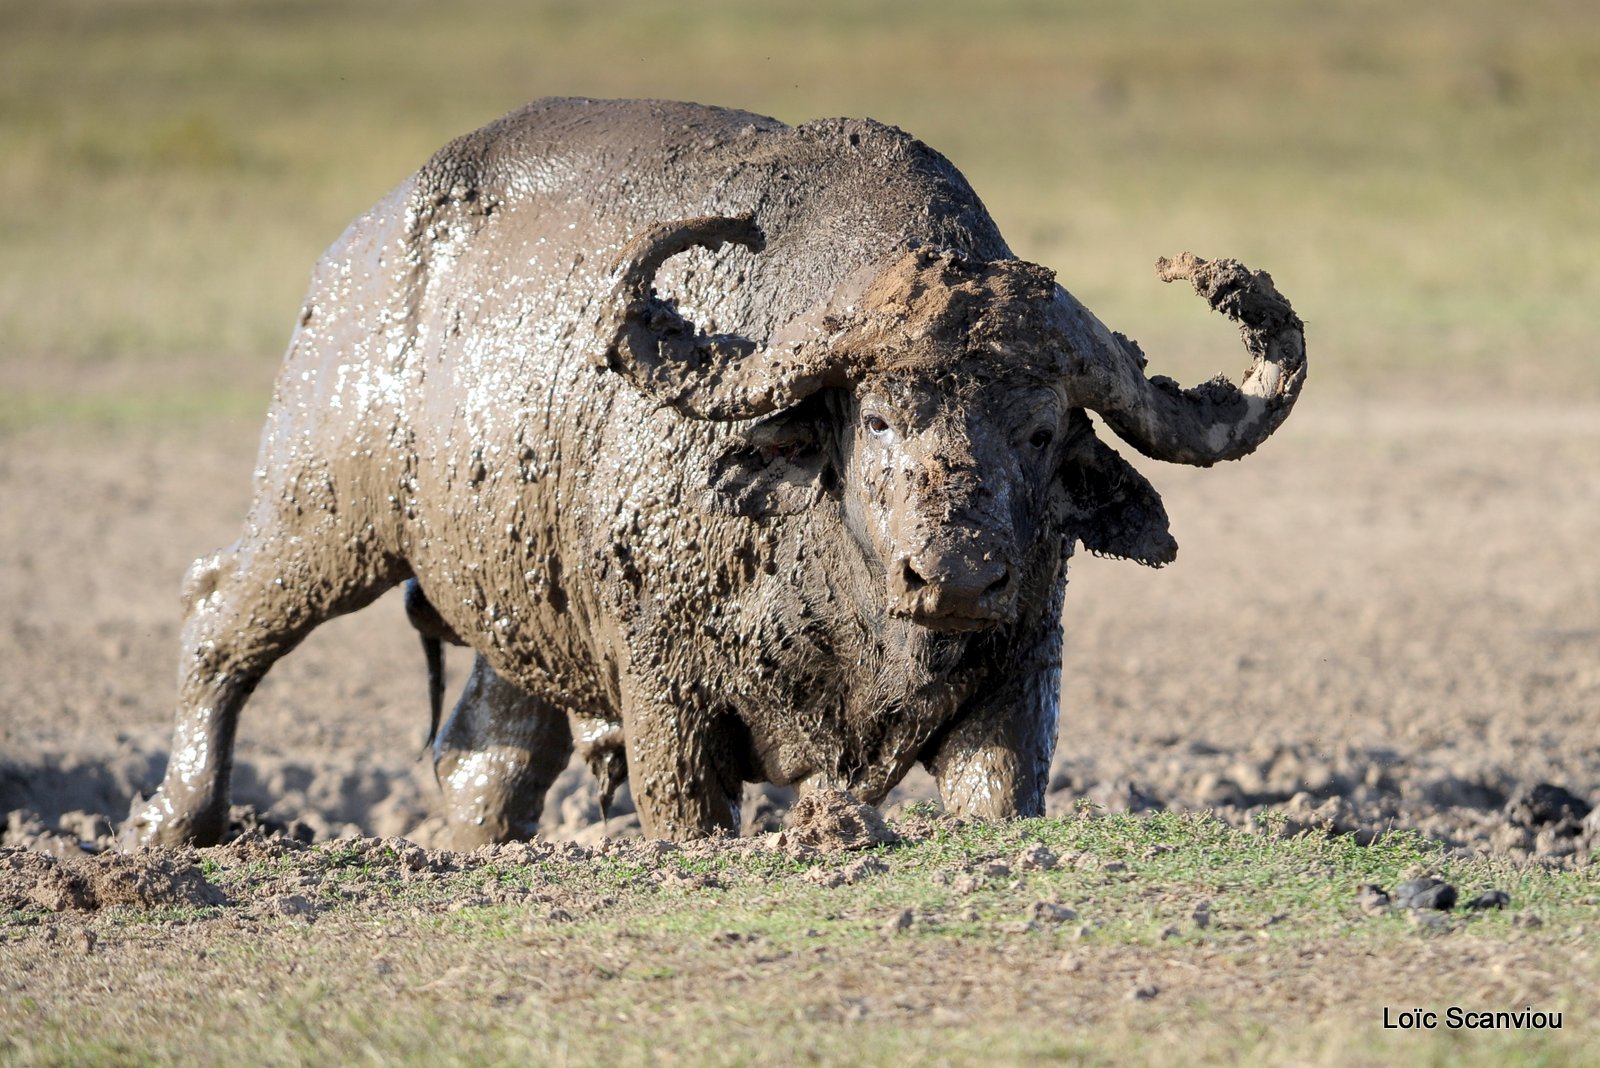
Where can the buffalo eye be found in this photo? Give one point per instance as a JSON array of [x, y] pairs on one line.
[[876, 425], [1042, 438]]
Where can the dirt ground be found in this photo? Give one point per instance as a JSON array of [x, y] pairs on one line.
[[1389, 617]]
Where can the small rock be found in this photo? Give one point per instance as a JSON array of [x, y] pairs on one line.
[[412, 857], [1428, 920], [827, 878], [1201, 915], [1372, 899], [994, 869], [1144, 992], [1490, 899], [1037, 857], [1169, 932], [1052, 912], [289, 905], [863, 868], [678, 879], [1111, 867], [901, 921], [1331, 816], [1425, 893], [1529, 920]]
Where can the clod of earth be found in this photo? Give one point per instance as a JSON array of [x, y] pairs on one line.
[[1037, 857], [1052, 912], [1425, 893], [30, 879], [1373, 899], [900, 921], [831, 821], [1547, 806]]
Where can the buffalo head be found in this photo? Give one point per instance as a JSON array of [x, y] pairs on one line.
[[942, 400]]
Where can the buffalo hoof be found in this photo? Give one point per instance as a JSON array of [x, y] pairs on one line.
[[157, 823]]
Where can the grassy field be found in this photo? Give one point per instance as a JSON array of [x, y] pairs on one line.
[[1419, 178], [1169, 939]]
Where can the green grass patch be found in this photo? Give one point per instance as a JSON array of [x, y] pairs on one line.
[[735, 954], [174, 408]]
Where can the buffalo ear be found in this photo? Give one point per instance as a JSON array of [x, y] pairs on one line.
[[1108, 505], [775, 467]]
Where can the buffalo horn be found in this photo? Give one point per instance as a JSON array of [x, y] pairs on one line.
[[707, 376], [1215, 420]]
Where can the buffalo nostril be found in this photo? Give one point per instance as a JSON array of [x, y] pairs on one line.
[[999, 584], [912, 580]]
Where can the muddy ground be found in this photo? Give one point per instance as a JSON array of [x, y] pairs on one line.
[[1389, 617]]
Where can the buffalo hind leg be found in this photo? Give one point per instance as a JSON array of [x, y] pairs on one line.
[[496, 758], [245, 607]]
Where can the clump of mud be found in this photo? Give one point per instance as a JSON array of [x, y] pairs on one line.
[[831, 821], [73, 834], [30, 879]]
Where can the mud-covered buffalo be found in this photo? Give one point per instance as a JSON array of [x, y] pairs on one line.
[[736, 452]]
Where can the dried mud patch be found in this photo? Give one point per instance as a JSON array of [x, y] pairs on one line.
[[149, 879], [1424, 658]]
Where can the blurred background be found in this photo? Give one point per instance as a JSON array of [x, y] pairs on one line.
[[1421, 178]]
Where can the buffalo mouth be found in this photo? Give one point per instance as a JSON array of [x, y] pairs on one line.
[[952, 623]]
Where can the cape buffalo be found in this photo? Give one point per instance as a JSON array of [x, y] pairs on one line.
[[736, 451]]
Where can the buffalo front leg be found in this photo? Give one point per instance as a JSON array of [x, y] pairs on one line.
[[245, 607], [995, 761], [679, 768], [496, 758]]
